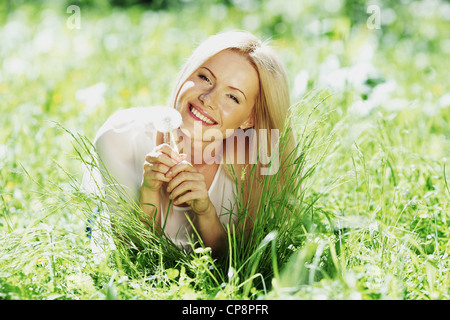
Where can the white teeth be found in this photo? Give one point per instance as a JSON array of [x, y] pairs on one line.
[[200, 116]]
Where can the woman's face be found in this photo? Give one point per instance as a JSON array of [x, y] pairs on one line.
[[219, 95]]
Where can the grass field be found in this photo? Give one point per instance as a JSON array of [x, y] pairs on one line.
[[371, 108]]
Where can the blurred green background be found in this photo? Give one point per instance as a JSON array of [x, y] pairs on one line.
[[133, 50], [384, 63], [128, 53]]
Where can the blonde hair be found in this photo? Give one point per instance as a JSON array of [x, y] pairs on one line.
[[272, 104]]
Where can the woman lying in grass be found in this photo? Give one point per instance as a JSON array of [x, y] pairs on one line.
[[230, 93]]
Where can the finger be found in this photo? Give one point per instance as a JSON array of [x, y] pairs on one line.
[[163, 158], [182, 166], [168, 150], [186, 186], [158, 167], [181, 177], [150, 174], [159, 176], [190, 196], [154, 180]]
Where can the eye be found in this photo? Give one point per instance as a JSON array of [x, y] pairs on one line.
[[205, 78], [234, 98]]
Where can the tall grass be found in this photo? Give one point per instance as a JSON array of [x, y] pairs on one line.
[[251, 262], [371, 219], [383, 229]]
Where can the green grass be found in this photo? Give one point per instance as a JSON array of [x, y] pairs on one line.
[[370, 222]]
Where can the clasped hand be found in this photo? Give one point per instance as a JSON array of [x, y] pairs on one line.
[[185, 184]]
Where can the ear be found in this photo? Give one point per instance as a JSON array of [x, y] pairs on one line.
[[250, 122]]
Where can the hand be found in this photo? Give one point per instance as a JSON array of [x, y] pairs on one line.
[[187, 185], [157, 164]]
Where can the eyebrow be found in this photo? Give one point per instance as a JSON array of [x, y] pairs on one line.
[[234, 88]]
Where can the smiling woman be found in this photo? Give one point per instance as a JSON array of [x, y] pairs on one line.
[[221, 94], [232, 84]]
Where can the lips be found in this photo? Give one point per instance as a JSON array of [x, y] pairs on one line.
[[200, 115]]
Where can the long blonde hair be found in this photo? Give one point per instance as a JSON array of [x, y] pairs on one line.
[[272, 104]]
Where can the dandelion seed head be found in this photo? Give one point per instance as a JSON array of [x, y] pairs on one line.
[[168, 120]]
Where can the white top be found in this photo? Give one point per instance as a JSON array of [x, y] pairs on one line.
[[122, 144]]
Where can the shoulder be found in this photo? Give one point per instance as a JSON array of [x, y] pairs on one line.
[[129, 121], [125, 128]]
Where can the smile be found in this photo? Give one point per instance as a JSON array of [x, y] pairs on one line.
[[200, 115]]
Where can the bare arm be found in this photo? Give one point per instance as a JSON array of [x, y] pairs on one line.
[[150, 203], [188, 186], [211, 230], [158, 163]]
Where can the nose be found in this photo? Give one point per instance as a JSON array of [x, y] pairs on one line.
[[209, 99]]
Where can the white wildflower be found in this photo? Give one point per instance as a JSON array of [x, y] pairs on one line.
[[167, 121]]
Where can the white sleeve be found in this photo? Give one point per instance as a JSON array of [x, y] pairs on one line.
[[119, 153], [120, 146], [110, 177], [115, 152]]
